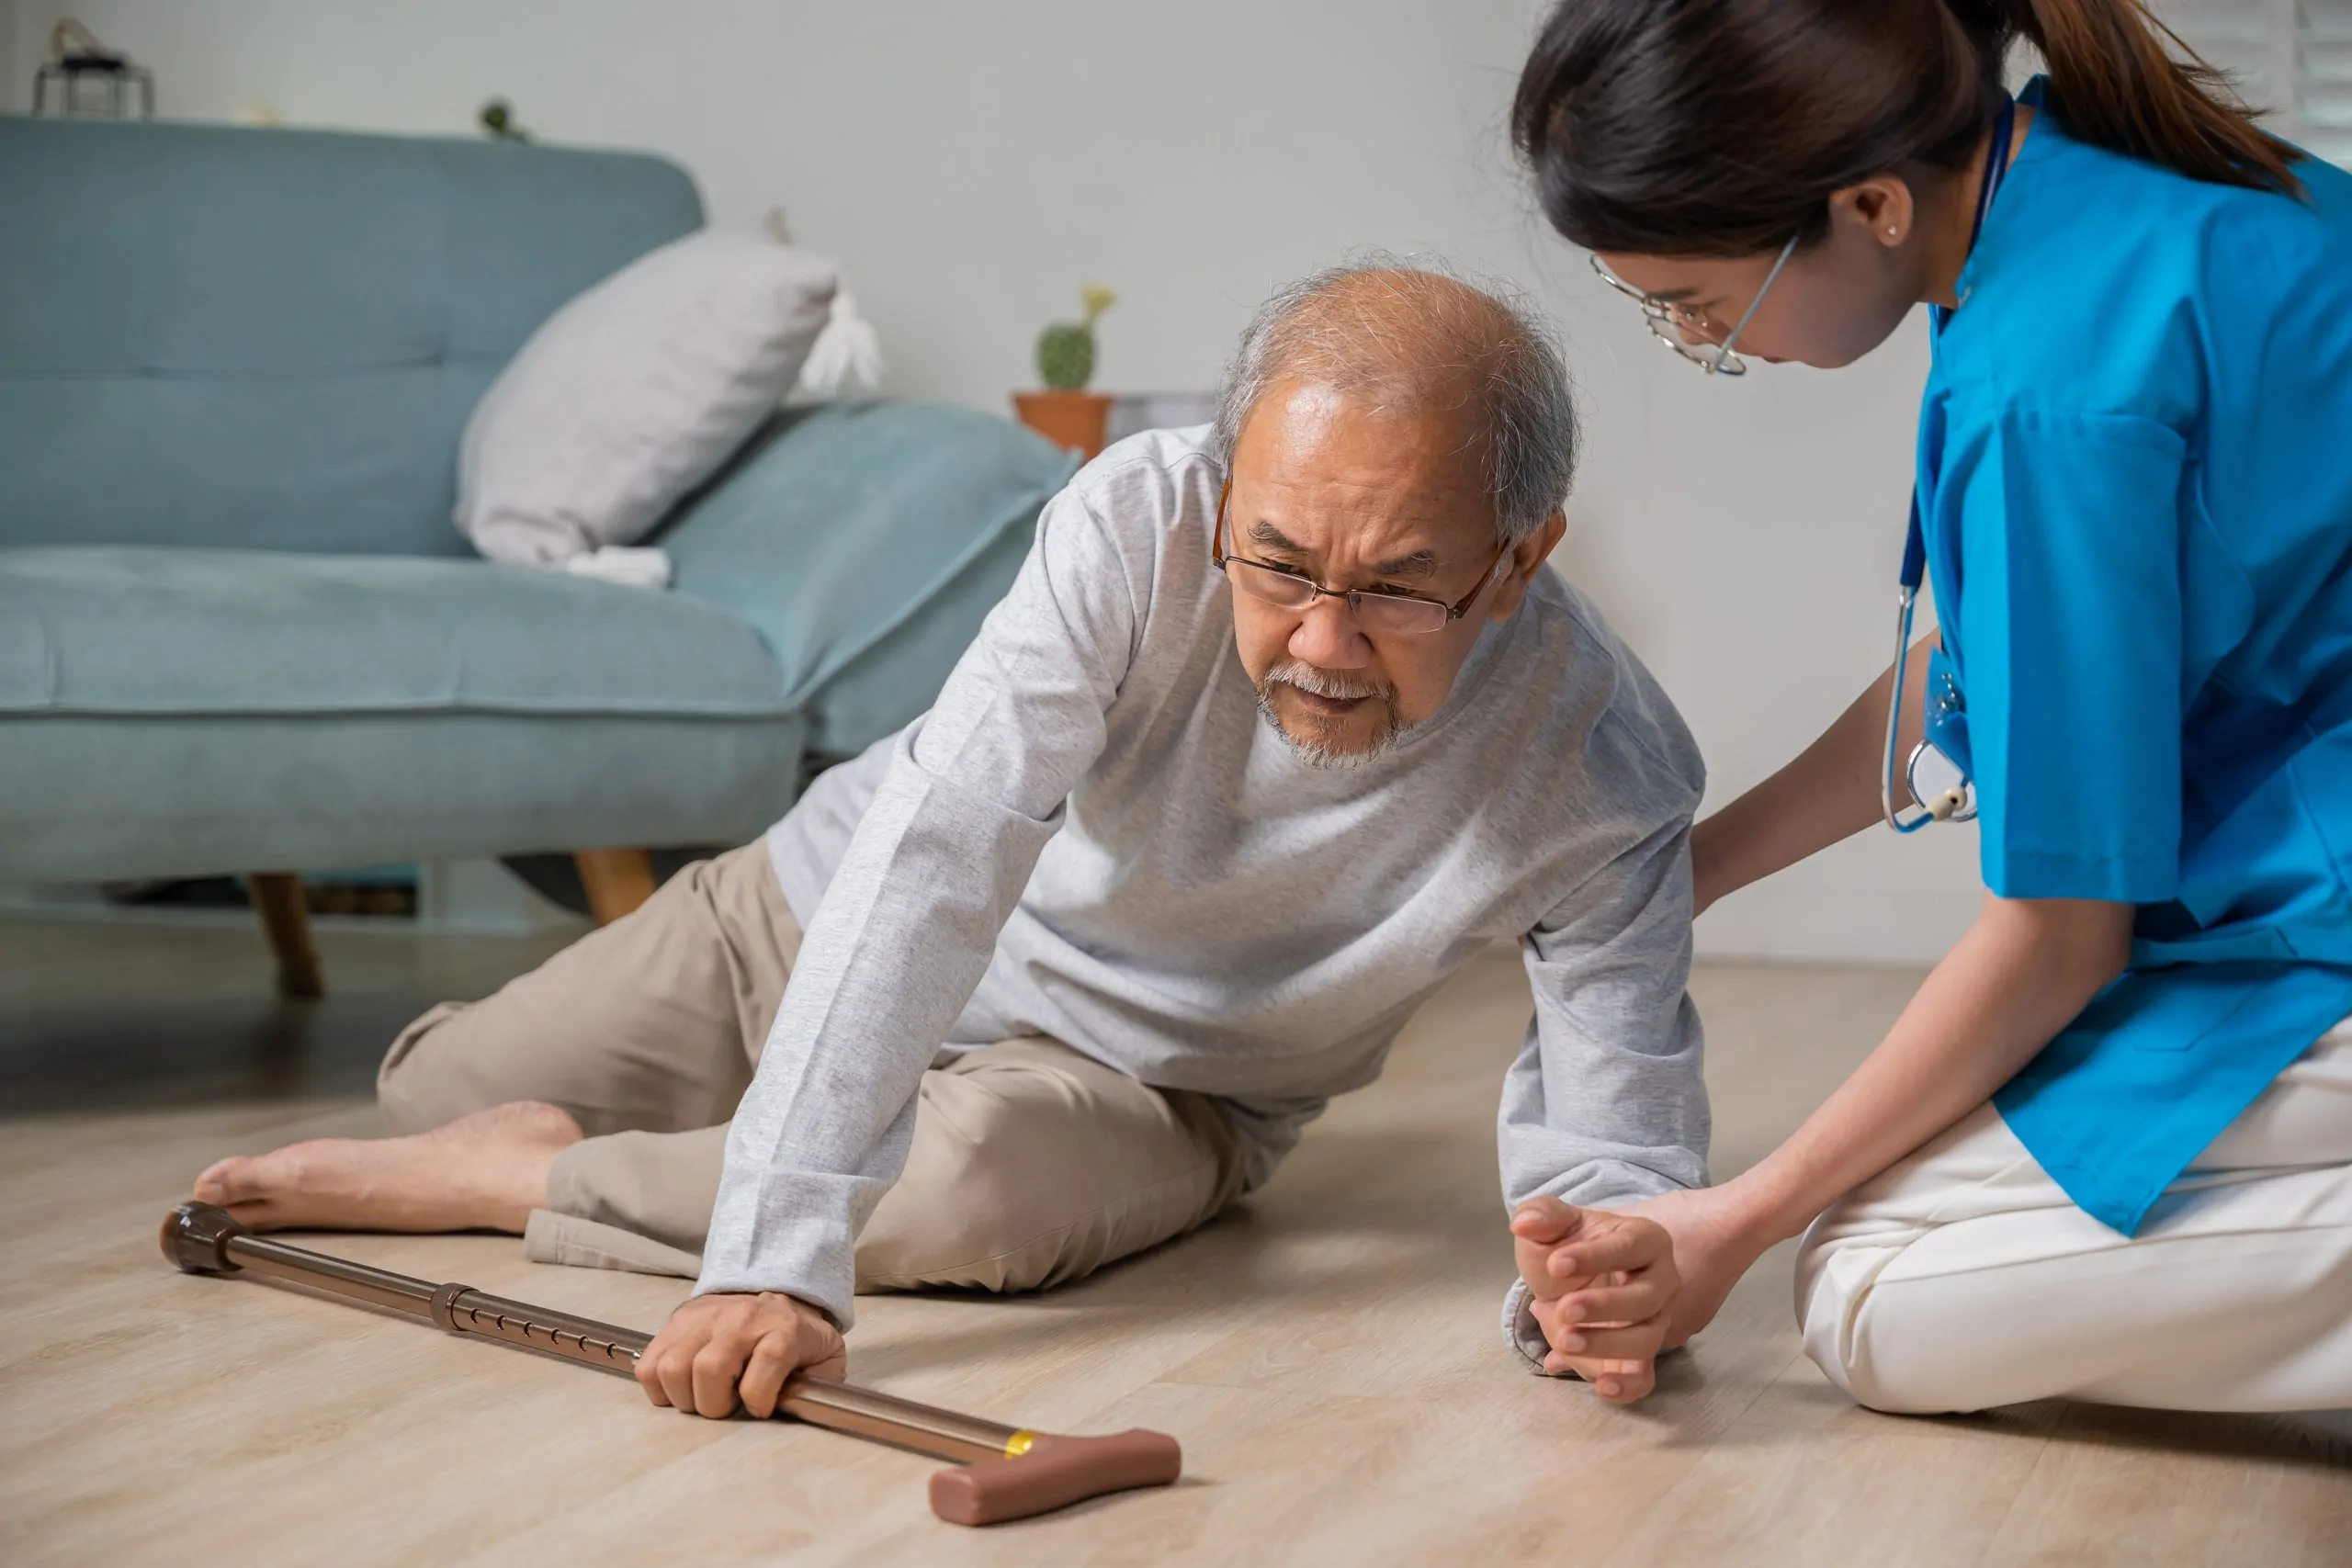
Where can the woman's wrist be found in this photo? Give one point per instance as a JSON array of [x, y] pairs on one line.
[[1704, 890], [1765, 1205], [1715, 850]]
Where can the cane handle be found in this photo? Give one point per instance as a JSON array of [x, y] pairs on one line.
[[1053, 1473]]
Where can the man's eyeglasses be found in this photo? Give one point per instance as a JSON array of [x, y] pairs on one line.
[[1691, 333], [1375, 609]]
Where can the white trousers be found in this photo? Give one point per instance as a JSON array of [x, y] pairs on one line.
[[1963, 1277]]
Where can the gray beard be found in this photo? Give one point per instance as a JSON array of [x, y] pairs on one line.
[[1314, 752]]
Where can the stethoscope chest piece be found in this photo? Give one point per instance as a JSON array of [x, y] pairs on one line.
[[1942, 791]]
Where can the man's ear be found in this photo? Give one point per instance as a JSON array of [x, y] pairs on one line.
[[1527, 558], [1537, 547]]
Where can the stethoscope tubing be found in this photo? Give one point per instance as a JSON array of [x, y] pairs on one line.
[[1952, 804]]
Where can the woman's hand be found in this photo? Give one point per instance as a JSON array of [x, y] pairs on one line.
[[718, 1344], [1715, 1242], [2025, 969]]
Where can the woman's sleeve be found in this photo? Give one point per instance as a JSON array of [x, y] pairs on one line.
[[2070, 641]]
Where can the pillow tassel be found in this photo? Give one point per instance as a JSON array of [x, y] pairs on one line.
[[847, 358]]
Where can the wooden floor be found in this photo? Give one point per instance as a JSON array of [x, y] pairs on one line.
[[1327, 1355]]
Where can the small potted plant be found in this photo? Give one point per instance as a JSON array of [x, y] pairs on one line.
[[1066, 413]]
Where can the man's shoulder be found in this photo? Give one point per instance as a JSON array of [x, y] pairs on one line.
[[1598, 686], [1152, 482]]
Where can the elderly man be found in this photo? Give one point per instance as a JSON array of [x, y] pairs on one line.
[[1283, 720]]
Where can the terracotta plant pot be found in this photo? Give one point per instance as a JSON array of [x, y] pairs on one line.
[[1075, 419]]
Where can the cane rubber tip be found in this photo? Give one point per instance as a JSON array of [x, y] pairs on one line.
[[1053, 1473], [195, 1238]]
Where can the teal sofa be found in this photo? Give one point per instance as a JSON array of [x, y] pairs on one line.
[[238, 630]]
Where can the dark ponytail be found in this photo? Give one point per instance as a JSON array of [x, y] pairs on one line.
[[2117, 85], [1723, 126]]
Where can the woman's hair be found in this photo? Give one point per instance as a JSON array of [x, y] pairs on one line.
[[1722, 127]]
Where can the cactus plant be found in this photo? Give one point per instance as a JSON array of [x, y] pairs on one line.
[[497, 122], [1065, 349]]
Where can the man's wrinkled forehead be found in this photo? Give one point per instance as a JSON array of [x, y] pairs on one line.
[[1318, 467]]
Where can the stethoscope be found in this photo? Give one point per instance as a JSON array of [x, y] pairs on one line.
[[1940, 781]]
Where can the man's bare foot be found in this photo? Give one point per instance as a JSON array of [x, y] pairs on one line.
[[486, 1171]]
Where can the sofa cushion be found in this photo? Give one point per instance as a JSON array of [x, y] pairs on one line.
[[185, 632], [88, 797], [189, 711], [866, 542]]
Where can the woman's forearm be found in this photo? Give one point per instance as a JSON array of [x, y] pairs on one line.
[[1829, 793], [2020, 974]]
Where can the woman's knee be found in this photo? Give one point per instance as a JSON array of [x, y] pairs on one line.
[[1843, 1320]]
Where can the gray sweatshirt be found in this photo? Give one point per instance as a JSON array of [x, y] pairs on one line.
[[1094, 835]]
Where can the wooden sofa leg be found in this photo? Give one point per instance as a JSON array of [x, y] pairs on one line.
[[277, 897], [618, 881]]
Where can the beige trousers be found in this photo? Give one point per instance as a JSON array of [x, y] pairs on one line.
[[1032, 1163], [1964, 1278]]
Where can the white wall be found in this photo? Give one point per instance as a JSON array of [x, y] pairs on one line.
[[13, 93], [974, 163]]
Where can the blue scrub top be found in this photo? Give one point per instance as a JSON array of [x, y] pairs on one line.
[[2135, 476]]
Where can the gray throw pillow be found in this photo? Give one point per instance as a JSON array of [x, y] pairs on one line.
[[634, 392]]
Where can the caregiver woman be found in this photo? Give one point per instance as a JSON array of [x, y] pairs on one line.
[[2105, 1153]]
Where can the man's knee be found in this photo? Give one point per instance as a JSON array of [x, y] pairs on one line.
[[1038, 1167], [412, 1093], [434, 1072], [960, 1213]]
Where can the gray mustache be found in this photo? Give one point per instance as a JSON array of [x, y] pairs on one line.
[[1323, 684]]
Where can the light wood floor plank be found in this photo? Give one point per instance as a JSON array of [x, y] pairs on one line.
[[2130, 1486]]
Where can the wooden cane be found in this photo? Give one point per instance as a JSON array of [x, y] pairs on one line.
[[1003, 1472]]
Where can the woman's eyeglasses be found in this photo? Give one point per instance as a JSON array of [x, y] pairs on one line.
[[1376, 610], [1691, 333]]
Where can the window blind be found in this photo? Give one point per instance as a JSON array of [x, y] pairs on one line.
[[2290, 57]]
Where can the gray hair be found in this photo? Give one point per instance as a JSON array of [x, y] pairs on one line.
[[1418, 335]]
